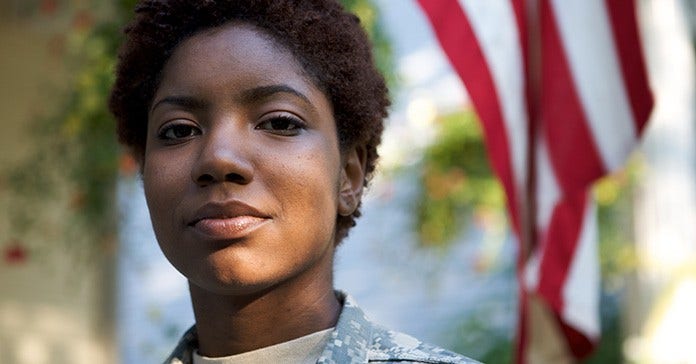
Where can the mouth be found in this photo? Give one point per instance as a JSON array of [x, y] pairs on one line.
[[227, 220], [228, 228]]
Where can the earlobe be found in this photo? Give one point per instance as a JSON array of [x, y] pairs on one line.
[[352, 180]]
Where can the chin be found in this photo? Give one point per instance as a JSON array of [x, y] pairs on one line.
[[227, 281]]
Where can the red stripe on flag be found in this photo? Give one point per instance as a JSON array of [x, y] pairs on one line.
[[623, 20], [523, 29], [572, 150], [559, 244], [578, 343], [459, 42]]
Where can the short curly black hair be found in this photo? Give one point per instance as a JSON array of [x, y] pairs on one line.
[[329, 43]]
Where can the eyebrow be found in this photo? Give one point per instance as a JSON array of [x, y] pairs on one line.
[[184, 101], [261, 92]]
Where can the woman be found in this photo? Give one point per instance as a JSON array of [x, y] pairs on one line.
[[256, 124]]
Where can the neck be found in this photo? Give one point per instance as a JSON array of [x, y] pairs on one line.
[[229, 325]]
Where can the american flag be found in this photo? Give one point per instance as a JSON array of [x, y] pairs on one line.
[[561, 90]]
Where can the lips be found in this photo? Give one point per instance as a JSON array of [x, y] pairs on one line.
[[227, 220]]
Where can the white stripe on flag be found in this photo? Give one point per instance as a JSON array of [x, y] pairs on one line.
[[581, 289], [501, 49], [547, 196], [587, 38], [547, 190]]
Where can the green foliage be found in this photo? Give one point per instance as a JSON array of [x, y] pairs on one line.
[[370, 20], [455, 179], [86, 127], [73, 167], [476, 338], [457, 184], [614, 195], [610, 348]]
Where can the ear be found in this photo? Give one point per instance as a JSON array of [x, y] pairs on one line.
[[352, 180]]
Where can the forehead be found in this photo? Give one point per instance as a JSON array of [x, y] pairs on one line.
[[233, 38], [235, 51]]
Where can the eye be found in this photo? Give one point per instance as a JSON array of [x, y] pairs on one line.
[[282, 125], [178, 131]]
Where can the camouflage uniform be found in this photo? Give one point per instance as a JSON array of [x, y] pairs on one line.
[[354, 340]]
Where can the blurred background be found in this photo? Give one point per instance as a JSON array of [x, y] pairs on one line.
[[82, 279]]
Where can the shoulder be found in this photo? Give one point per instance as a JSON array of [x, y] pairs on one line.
[[356, 339], [391, 346]]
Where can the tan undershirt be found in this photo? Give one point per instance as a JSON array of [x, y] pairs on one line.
[[303, 350]]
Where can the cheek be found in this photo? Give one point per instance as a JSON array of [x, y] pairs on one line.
[[162, 182], [309, 181]]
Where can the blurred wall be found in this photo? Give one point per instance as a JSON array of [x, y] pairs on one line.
[[660, 314], [54, 300]]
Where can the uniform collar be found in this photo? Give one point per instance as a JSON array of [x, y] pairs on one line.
[[349, 342]]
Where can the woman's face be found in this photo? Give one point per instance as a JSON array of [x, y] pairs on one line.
[[242, 171]]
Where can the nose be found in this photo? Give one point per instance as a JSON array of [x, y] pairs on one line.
[[223, 157]]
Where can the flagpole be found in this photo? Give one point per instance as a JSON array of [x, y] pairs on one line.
[[539, 331], [533, 90], [532, 65]]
